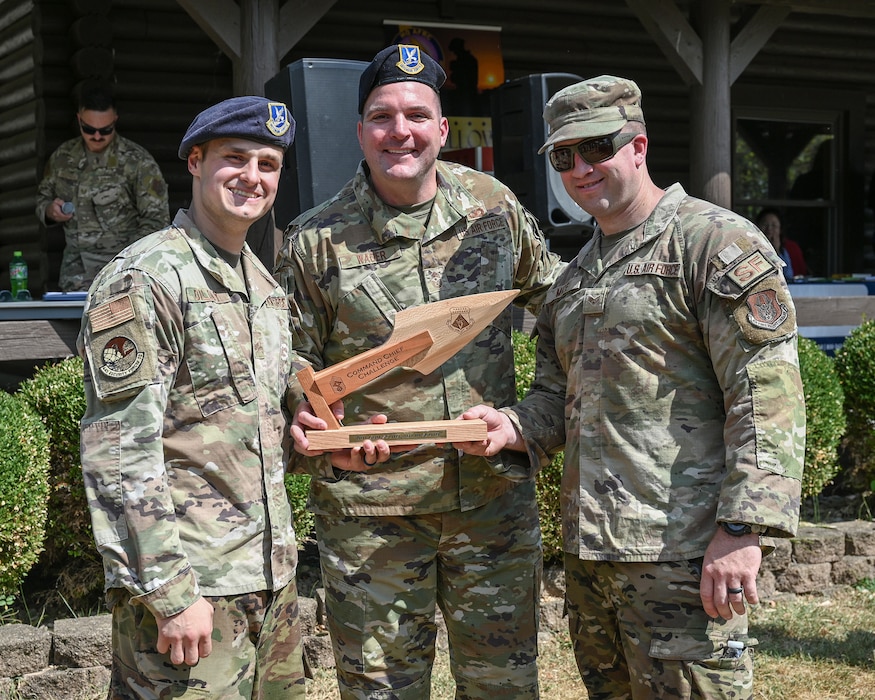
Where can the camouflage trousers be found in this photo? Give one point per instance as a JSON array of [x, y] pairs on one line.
[[257, 651], [384, 577], [639, 631]]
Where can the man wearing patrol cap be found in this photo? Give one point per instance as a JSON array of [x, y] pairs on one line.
[[403, 533], [667, 370], [187, 351]]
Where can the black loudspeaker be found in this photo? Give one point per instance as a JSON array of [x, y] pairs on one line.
[[518, 131], [322, 94]]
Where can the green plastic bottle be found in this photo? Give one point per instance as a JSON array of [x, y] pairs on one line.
[[17, 273]]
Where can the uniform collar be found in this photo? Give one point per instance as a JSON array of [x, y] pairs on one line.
[[259, 281], [453, 202]]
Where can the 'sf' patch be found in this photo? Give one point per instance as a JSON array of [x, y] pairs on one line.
[[750, 270]]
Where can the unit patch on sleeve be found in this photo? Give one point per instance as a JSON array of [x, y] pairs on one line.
[[120, 357], [765, 313], [120, 354]]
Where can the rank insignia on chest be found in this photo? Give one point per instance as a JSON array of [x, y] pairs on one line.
[[765, 311]]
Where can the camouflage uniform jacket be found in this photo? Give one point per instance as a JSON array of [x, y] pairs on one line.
[[185, 437], [119, 195], [351, 263], [668, 370]]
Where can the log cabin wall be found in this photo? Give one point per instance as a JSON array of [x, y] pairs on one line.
[[22, 124], [166, 69], [163, 68], [811, 54]]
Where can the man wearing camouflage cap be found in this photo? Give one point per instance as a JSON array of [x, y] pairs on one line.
[[402, 534], [187, 352], [667, 370]]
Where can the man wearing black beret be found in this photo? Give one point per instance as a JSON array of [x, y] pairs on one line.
[[403, 533], [187, 347]]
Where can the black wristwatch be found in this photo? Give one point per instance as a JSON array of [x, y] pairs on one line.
[[740, 529]]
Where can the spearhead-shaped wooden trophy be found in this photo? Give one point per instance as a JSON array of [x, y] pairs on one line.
[[424, 337]]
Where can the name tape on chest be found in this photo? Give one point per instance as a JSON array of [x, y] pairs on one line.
[[489, 224], [367, 257], [654, 267]]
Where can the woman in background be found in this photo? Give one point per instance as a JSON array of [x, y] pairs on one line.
[[769, 222]]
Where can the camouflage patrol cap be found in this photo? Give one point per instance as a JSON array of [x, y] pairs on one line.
[[248, 117], [594, 107], [399, 63]]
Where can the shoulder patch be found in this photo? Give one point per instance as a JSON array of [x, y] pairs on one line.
[[111, 314], [750, 270], [766, 313], [121, 350], [120, 357]]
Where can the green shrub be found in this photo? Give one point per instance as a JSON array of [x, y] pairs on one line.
[[24, 491], [548, 484], [56, 393], [298, 488], [824, 415], [855, 366]]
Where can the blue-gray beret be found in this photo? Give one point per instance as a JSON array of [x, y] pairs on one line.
[[247, 117], [398, 63]]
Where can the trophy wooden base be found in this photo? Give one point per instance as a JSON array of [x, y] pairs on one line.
[[413, 433]]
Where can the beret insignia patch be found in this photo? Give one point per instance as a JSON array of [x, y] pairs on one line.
[[279, 123], [411, 62]]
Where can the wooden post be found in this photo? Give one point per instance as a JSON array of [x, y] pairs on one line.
[[710, 120], [259, 55]]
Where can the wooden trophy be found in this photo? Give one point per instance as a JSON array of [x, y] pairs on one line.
[[424, 337]]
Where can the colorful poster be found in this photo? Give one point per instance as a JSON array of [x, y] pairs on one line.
[[470, 56]]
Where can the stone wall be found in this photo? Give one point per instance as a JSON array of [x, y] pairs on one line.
[[69, 659]]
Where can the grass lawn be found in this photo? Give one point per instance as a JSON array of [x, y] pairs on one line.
[[811, 648]]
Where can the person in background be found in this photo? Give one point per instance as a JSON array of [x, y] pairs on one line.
[[770, 223], [667, 370], [402, 534], [105, 190], [185, 440]]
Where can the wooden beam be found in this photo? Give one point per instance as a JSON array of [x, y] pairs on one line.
[[752, 37], [710, 125], [297, 17], [834, 311], [843, 8], [220, 20], [668, 27], [259, 59], [38, 340]]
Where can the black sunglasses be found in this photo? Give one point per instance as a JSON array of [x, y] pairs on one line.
[[91, 130], [592, 151]]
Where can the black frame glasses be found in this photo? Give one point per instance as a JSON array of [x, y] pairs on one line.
[[592, 151], [91, 130]]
